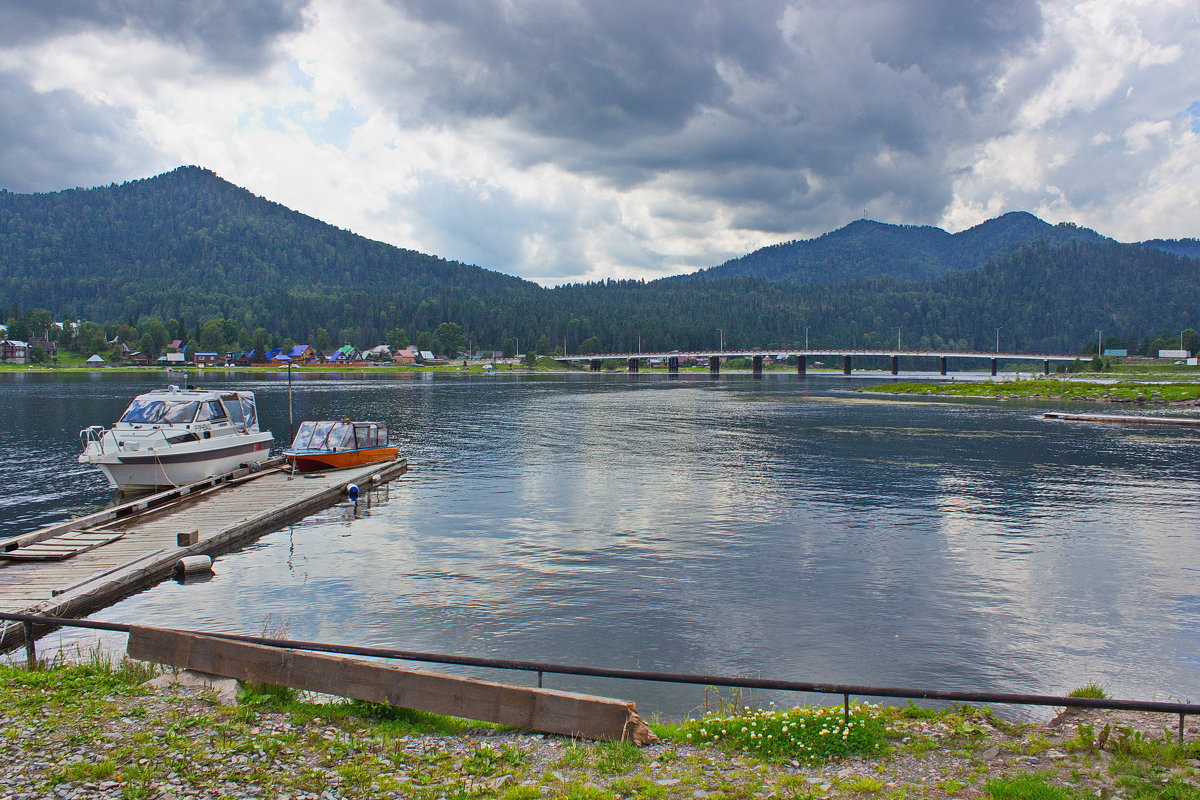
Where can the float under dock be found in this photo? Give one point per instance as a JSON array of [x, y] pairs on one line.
[[1187, 422], [90, 562]]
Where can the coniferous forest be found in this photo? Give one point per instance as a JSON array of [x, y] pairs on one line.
[[196, 253]]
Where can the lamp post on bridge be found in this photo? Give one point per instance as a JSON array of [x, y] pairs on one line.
[[897, 337], [1100, 342], [997, 341], [721, 331], [805, 337]]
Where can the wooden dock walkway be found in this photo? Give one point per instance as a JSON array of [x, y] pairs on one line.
[[138, 542]]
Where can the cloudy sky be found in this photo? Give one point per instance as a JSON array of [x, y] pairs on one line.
[[564, 140]]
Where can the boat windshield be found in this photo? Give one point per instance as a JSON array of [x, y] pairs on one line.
[[327, 435], [160, 412]]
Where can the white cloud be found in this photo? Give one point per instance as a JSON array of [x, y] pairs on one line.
[[1102, 132]]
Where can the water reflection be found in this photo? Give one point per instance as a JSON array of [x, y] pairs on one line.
[[778, 527]]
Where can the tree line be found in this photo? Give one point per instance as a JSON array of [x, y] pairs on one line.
[[214, 265]]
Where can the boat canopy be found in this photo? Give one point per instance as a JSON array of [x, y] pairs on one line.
[[235, 407], [333, 435]]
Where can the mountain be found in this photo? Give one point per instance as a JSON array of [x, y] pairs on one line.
[[187, 244], [1180, 247], [192, 247], [1044, 296], [865, 248]]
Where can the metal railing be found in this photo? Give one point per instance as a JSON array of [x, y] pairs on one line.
[[29, 621]]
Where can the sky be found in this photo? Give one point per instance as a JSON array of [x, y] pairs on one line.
[[567, 141]]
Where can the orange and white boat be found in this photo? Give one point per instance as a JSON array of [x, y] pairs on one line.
[[331, 444]]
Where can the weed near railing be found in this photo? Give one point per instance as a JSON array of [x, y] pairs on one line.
[[805, 734]]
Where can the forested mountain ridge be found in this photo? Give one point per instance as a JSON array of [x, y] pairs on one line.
[[188, 244], [1044, 297], [1180, 247], [865, 248], [188, 248]]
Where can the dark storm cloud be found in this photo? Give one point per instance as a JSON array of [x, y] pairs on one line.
[[230, 33], [591, 71], [55, 140], [738, 101]]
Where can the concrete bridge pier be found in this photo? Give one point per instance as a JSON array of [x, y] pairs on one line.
[[714, 364], [632, 365], [801, 365], [845, 365], [942, 364], [673, 365], [994, 365], [596, 364], [895, 365], [1046, 366], [758, 366]]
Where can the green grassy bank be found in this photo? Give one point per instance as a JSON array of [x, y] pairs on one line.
[[1117, 392], [94, 730]]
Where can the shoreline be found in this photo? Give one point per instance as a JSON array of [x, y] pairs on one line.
[[94, 731], [1137, 393]]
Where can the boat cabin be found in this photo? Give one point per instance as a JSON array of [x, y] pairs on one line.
[[336, 436]]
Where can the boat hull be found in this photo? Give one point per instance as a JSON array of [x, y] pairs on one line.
[[146, 470], [314, 460]]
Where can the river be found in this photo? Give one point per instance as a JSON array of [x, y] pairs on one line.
[[779, 527]]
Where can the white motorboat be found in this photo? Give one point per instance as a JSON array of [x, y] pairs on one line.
[[173, 437]]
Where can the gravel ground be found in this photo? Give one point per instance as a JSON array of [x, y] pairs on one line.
[[176, 742]]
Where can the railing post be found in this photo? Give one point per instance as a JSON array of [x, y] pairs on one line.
[[1181, 716], [539, 679], [30, 649], [846, 707]]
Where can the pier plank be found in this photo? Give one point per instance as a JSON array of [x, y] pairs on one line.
[[225, 515], [568, 713], [61, 547]]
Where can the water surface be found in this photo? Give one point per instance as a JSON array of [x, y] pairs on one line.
[[779, 527]]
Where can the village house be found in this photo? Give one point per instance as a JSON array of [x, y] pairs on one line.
[[239, 359], [13, 351], [380, 352], [207, 359], [303, 354], [49, 347], [347, 354]]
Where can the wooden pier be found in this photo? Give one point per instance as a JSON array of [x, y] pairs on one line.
[[90, 562]]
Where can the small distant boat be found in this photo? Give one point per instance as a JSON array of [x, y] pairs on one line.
[[331, 444], [174, 436]]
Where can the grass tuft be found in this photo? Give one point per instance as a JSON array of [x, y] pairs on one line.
[[1029, 786]]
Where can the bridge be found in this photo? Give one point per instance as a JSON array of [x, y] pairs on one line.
[[674, 357]]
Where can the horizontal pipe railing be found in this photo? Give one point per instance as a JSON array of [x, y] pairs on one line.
[[844, 689]]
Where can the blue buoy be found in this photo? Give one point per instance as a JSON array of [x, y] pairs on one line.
[[352, 491]]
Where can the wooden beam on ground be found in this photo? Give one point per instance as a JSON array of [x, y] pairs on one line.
[[568, 713]]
